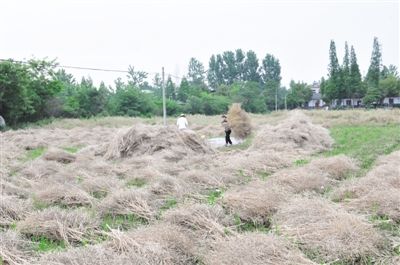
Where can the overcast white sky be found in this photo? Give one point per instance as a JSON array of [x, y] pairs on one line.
[[150, 34]]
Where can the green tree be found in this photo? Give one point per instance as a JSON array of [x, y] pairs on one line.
[[373, 73], [196, 72], [250, 67], [299, 94], [347, 91], [170, 92], [355, 83], [136, 78], [390, 86]]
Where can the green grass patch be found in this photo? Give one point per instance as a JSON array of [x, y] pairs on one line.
[[251, 226], [168, 204], [44, 244], [242, 174], [386, 224], [121, 221], [213, 196], [137, 182], [72, 149], [365, 143], [264, 175], [301, 162], [99, 194], [34, 153]]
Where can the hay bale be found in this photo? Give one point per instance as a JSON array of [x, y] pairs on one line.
[[70, 226], [150, 140], [327, 232], [63, 195], [169, 186], [59, 155], [125, 202], [254, 248], [15, 250], [295, 133], [255, 202], [157, 244], [239, 121], [12, 209], [203, 220]]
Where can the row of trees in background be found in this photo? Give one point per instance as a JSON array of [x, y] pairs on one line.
[[345, 81], [38, 89]]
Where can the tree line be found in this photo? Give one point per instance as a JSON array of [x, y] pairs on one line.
[[38, 89], [345, 81]]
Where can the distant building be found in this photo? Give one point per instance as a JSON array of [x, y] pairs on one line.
[[390, 101], [316, 98], [347, 102]]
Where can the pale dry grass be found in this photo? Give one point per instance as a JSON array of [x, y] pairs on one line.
[[59, 155], [255, 202], [70, 226], [239, 121], [319, 175], [63, 195], [202, 220], [378, 193], [355, 117], [12, 210], [255, 248], [157, 244], [327, 232], [125, 202], [14, 250], [295, 133]]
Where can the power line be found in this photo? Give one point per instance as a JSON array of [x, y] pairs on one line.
[[91, 68]]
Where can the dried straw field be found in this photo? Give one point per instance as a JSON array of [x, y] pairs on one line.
[[311, 187]]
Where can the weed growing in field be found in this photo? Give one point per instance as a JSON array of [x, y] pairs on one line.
[[213, 195], [137, 182], [121, 221], [34, 153], [250, 226], [301, 162], [72, 149], [99, 194], [44, 244]]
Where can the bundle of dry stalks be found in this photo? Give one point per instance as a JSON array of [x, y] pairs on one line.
[[144, 139], [96, 254], [327, 231], [40, 169], [202, 220], [378, 193], [239, 121], [59, 155], [64, 195], [255, 248], [157, 244], [124, 202], [58, 224], [99, 187], [14, 250], [11, 189], [169, 186], [295, 133], [12, 209], [255, 202], [319, 175]]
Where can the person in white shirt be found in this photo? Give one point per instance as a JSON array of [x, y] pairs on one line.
[[182, 122]]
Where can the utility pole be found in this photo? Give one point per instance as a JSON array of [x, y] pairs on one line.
[[164, 103], [276, 99], [285, 101]]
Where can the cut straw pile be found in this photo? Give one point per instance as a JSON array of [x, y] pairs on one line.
[[239, 121], [150, 140], [328, 232], [255, 249], [294, 133], [378, 193]]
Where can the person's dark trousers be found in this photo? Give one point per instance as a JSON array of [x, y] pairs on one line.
[[228, 137]]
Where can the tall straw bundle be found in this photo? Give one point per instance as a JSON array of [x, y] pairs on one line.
[[239, 121]]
